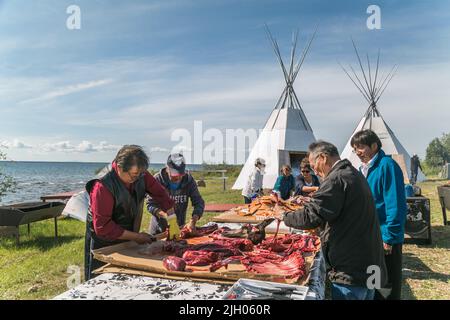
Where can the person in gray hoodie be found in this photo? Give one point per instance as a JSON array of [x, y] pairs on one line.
[[254, 185], [181, 187]]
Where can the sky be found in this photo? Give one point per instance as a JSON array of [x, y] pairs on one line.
[[137, 70]]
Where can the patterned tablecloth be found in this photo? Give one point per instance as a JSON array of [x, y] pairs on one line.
[[113, 286]]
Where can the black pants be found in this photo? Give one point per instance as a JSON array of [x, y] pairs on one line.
[[247, 200], [394, 270], [92, 242], [413, 177]]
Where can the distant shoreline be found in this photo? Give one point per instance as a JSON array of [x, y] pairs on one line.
[[38, 161], [106, 163]]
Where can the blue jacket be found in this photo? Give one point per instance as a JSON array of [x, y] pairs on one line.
[[385, 179], [284, 185]]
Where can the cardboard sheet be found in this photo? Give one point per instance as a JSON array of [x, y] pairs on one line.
[[128, 255], [232, 217], [109, 268]]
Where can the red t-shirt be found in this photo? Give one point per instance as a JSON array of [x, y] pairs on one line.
[[102, 205]]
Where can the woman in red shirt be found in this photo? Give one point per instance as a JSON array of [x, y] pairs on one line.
[[116, 204]]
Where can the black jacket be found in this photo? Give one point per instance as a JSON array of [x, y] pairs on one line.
[[188, 189], [344, 208], [127, 211]]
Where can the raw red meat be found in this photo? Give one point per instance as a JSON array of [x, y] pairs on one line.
[[224, 250], [200, 258], [291, 266], [239, 244], [278, 255], [176, 247], [187, 233], [224, 263], [172, 263]]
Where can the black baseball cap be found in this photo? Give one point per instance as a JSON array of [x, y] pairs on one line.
[[176, 164]]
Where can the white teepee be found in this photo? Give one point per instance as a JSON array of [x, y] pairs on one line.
[[287, 133], [372, 87]]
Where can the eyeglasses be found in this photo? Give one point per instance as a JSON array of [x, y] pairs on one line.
[[305, 171], [134, 178]]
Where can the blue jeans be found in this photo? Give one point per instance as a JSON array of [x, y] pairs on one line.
[[347, 292]]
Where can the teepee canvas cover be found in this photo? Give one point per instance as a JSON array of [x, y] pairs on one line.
[[372, 87], [287, 133]]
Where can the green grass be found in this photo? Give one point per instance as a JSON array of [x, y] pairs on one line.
[[37, 268], [426, 268]]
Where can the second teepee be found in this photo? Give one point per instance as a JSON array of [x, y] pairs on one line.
[[371, 86]]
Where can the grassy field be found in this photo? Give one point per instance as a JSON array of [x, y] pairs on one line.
[[37, 268]]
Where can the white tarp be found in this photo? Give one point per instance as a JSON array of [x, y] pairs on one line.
[[77, 206]]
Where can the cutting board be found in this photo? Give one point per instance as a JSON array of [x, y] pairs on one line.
[[232, 217]]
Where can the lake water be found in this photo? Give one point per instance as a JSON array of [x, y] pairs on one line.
[[35, 179]]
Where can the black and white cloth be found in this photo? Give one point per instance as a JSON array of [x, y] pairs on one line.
[[112, 286]]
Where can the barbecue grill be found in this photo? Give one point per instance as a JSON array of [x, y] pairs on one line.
[[12, 216]]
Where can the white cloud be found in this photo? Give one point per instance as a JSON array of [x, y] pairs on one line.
[[105, 146], [159, 149], [62, 146], [63, 91], [84, 146], [20, 145], [16, 144]]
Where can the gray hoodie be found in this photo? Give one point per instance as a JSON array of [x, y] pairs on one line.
[[254, 183], [187, 189]]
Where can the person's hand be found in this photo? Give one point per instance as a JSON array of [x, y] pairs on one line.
[[192, 227], [275, 197], [279, 213], [165, 214], [387, 248], [162, 214], [143, 237], [193, 223]]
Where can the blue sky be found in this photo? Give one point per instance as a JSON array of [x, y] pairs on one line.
[[137, 70]]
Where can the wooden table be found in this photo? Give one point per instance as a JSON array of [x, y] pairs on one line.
[[59, 196]]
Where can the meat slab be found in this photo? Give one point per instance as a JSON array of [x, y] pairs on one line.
[[186, 232], [281, 256], [174, 263]]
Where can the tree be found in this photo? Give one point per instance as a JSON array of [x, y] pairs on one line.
[[445, 140], [7, 183], [437, 155]]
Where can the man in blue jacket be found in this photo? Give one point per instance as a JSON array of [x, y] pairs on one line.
[[385, 179]]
